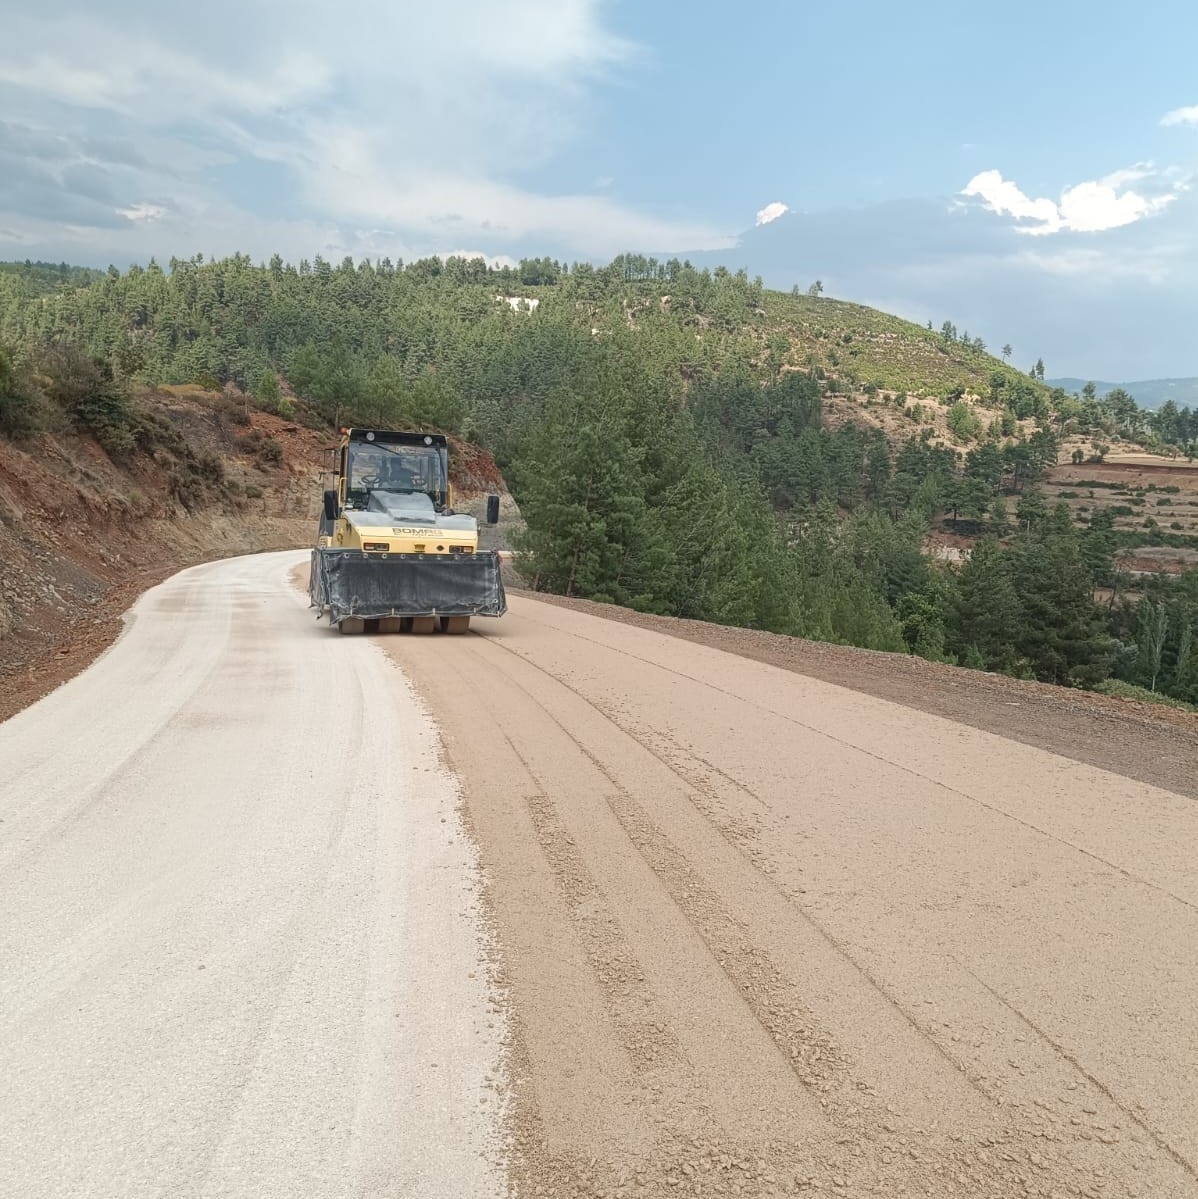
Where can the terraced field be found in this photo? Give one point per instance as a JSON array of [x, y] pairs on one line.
[[1154, 497]]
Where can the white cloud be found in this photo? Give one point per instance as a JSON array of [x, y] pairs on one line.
[[1090, 207], [1181, 116], [149, 81], [771, 212], [398, 115], [1001, 195], [142, 212]]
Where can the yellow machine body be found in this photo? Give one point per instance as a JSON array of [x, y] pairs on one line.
[[391, 552]]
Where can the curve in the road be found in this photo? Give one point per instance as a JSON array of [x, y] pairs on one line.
[[239, 925], [757, 934]]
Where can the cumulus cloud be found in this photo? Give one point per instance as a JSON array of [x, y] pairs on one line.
[[1001, 195], [1181, 116], [395, 116], [1090, 207], [771, 212]]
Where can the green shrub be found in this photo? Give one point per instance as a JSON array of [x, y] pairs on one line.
[[185, 484], [209, 467], [85, 390], [20, 405], [1122, 690], [262, 446], [963, 422], [267, 392]]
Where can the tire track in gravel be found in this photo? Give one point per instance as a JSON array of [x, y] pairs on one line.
[[890, 762], [773, 999], [826, 893]]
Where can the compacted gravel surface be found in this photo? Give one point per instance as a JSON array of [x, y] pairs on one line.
[[243, 952], [762, 934], [585, 903]]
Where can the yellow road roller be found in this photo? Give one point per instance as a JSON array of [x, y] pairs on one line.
[[391, 553]]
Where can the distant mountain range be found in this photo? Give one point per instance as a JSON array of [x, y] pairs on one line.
[[1148, 393]]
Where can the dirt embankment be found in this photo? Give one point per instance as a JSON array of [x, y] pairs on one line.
[[81, 534]]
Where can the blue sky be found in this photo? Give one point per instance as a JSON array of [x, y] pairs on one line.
[[1026, 170]]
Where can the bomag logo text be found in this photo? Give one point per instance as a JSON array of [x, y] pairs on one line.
[[402, 532]]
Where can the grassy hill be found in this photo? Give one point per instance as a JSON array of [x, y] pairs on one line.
[[867, 347]]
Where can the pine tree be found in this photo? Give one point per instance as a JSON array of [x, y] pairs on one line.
[[580, 494], [986, 614], [1061, 633]]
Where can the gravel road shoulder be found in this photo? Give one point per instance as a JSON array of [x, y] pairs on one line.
[[1148, 742]]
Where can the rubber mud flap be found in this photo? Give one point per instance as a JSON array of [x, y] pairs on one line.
[[353, 583]]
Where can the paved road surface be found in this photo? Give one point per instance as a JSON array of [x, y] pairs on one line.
[[758, 934], [240, 948]]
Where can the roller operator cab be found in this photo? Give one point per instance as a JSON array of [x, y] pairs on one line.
[[392, 555]]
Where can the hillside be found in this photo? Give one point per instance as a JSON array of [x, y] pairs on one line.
[[863, 347], [234, 320], [82, 532], [43, 278], [682, 442]]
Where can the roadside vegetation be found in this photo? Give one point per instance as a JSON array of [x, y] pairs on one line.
[[681, 442]]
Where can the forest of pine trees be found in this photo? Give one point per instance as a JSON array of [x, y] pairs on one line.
[[663, 455]]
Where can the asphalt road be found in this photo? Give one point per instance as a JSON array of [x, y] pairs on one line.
[[241, 951], [739, 931]]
